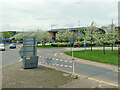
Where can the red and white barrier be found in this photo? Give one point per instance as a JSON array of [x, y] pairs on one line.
[[56, 64], [55, 59]]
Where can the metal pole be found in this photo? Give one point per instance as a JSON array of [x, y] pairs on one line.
[[51, 27], [73, 60], [72, 53], [78, 34], [112, 25], [73, 68], [85, 44], [1, 39]]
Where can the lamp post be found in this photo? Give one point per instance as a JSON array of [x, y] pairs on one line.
[[79, 34], [52, 26], [119, 48]]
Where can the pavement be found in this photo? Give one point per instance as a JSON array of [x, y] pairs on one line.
[[86, 83], [14, 76], [106, 48]]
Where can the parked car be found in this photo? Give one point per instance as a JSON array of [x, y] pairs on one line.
[[17, 42], [2, 47], [13, 45]]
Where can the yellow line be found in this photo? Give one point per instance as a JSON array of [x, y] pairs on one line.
[[104, 82]]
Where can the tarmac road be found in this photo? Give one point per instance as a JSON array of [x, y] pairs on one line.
[[10, 56]]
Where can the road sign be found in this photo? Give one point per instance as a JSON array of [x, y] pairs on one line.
[[29, 41], [29, 52]]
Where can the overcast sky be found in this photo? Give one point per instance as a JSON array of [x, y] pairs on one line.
[[41, 14]]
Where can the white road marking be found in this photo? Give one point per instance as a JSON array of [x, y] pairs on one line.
[[55, 54], [20, 60]]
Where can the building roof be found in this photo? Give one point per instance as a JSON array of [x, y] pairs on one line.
[[72, 29]]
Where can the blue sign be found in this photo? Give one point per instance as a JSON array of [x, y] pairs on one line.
[[84, 45]]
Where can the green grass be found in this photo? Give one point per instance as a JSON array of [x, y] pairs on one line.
[[111, 57], [46, 46]]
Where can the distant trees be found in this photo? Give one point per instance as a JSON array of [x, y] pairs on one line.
[[0, 35], [111, 36], [92, 35], [6, 34], [19, 36], [42, 36], [60, 36], [64, 36]]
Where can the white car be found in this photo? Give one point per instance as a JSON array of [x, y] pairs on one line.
[[2, 47]]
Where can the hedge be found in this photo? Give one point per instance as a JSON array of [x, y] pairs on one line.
[[60, 45], [88, 44]]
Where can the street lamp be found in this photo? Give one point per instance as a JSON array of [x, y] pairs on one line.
[[52, 26]]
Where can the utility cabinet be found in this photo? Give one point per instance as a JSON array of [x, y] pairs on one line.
[[28, 53]]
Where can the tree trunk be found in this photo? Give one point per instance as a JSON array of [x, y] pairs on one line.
[[44, 44], [104, 48], [37, 44], [112, 47], [91, 46]]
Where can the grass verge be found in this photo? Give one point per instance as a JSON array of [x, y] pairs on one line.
[[111, 57], [46, 46]]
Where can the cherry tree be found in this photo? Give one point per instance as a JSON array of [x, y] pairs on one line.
[[111, 36], [65, 35], [42, 36], [19, 36]]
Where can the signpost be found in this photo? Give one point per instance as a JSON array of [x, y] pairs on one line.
[[72, 44], [2, 37], [85, 44], [118, 47]]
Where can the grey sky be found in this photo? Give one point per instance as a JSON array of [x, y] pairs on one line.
[[42, 14]]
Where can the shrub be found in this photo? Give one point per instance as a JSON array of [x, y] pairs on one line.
[[60, 45]]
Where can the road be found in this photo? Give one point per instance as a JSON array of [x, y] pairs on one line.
[[11, 56]]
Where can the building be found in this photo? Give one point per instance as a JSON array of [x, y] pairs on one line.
[[53, 32]]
